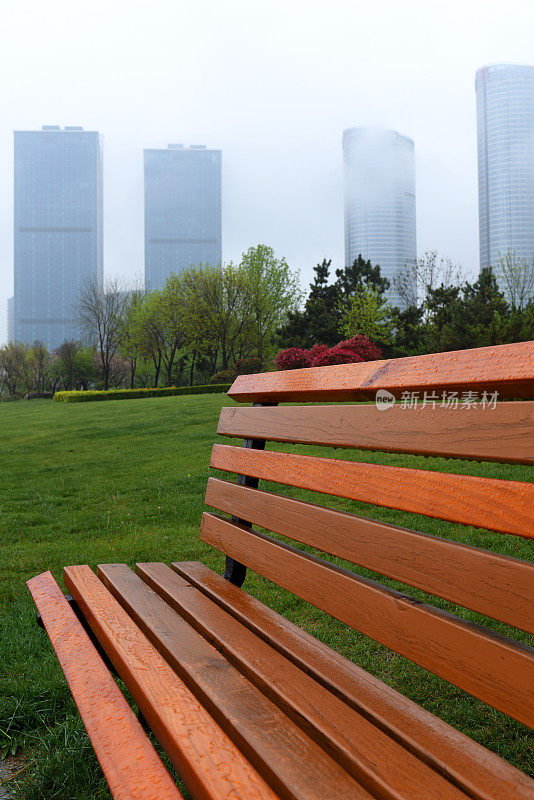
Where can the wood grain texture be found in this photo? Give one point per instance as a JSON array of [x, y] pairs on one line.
[[488, 666], [494, 585], [502, 506], [210, 764], [132, 767], [381, 764], [503, 433], [484, 775], [292, 763], [507, 368]]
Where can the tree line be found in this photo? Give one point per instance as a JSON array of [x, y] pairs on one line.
[[437, 310], [205, 324], [210, 323]]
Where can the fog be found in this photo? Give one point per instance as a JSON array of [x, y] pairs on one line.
[[273, 84]]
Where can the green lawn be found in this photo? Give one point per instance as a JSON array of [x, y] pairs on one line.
[[124, 481]]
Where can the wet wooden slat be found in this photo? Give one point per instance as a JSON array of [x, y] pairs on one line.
[[503, 433], [502, 506], [210, 764], [507, 368], [383, 765], [488, 666], [132, 767], [483, 774], [274, 744], [494, 585]]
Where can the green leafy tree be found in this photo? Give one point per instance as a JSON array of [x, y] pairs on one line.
[[216, 312], [168, 321], [366, 312], [129, 344], [74, 366], [273, 292], [142, 331]]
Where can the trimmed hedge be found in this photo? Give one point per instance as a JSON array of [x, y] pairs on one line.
[[135, 394]]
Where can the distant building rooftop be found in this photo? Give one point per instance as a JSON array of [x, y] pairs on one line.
[[179, 146], [58, 128]]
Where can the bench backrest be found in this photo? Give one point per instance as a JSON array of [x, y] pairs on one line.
[[468, 408]]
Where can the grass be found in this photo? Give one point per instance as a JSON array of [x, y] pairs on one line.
[[91, 483]]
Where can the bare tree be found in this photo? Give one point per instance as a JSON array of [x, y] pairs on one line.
[[515, 277], [39, 362], [102, 311], [429, 271], [13, 358]]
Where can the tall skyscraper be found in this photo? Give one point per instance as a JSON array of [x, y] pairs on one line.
[[58, 229], [379, 173], [10, 319], [505, 127], [182, 210]]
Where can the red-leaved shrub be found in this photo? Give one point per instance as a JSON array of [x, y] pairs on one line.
[[350, 351], [293, 358], [363, 346], [336, 355], [317, 352]]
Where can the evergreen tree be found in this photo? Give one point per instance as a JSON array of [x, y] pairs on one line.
[[361, 274], [321, 321]]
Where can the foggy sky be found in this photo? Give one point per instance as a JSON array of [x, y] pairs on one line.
[[273, 83]]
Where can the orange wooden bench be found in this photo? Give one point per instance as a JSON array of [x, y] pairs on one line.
[[247, 704]]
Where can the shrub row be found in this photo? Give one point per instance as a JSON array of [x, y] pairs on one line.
[[350, 351], [134, 394]]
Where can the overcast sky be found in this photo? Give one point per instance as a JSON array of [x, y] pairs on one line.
[[273, 83]]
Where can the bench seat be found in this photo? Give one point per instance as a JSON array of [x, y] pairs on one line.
[[299, 716]]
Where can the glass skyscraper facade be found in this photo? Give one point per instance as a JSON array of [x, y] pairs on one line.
[[379, 178], [58, 230], [505, 130], [182, 210], [10, 319]]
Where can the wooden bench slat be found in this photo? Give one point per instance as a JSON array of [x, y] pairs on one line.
[[274, 744], [132, 767], [502, 506], [210, 764], [503, 433], [488, 666], [483, 773], [379, 762], [494, 585], [508, 369]]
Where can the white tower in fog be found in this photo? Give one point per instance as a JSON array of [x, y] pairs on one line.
[[379, 176]]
